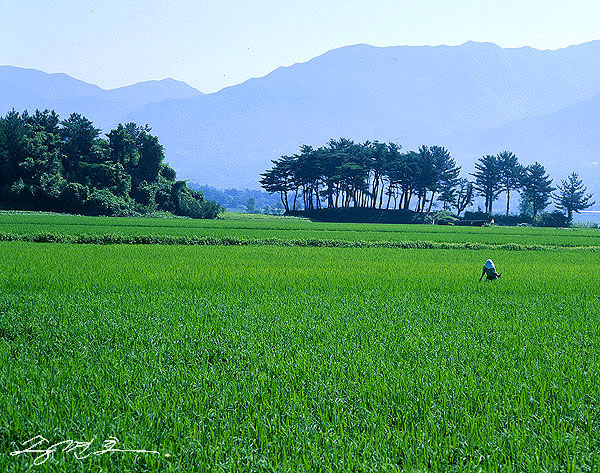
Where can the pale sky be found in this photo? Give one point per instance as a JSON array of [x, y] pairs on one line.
[[214, 44]]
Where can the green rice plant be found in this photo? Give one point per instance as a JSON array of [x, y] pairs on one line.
[[283, 228], [300, 358], [122, 239]]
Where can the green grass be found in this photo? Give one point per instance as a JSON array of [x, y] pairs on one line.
[[262, 227], [273, 358]]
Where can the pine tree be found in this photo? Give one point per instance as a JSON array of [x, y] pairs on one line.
[[537, 187], [487, 179], [510, 174], [572, 196]]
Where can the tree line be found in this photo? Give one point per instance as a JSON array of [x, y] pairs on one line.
[[381, 176], [65, 165]]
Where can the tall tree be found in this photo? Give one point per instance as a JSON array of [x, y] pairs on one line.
[[407, 175], [334, 157], [124, 144], [14, 146], [354, 176], [377, 158], [308, 173], [447, 176], [80, 140], [464, 195], [151, 156], [425, 177], [572, 196], [510, 172], [280, 179], [537, 187], [487, 179]]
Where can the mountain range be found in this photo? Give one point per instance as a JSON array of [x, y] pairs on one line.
[[30, 89], [476, 98]]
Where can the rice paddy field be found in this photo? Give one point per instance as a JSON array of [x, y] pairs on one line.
[[275, 358], [287, 228]]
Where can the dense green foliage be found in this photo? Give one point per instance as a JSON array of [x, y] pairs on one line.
[[377, 175], [48, 164], [254, 359]]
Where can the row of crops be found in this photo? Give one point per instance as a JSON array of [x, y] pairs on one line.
[[290, 229]]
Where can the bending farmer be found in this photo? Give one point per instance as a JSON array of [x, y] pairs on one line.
[[490, 271]]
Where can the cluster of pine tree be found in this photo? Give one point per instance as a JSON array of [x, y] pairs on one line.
[[371, 174], [378, 175], [66, 166]]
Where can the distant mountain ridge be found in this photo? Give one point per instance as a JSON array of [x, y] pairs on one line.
[[474, 98], [568, 138], [31, 89]]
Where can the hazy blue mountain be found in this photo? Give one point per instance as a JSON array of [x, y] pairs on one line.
[[151, 91], [23, 88], [31, 89], [104, 113], [413, 95], [564, 141], [111, 106]]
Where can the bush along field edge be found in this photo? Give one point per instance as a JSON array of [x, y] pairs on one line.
[[117, 239]]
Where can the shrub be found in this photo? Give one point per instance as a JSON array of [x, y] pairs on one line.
[[442, 217], [104, 202], [74, 196], [552, 219], [144, 194], [191, 206], [210, 209], [476, 216]]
